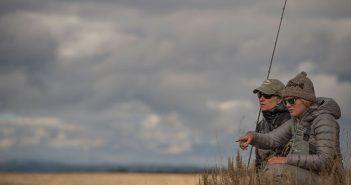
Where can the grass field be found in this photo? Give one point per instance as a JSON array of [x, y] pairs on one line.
[[97, 179]]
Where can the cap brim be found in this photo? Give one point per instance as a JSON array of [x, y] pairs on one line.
[[263, 89]]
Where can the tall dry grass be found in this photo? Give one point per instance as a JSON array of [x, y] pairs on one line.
[[236, 173]]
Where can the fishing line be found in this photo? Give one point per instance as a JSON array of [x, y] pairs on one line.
[[269, 71]]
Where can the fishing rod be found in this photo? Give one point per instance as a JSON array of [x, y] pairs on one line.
[[269, 71]]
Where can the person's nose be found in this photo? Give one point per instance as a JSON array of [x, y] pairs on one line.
[[261, 99]]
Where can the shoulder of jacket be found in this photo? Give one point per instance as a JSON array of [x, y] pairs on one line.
[[261, 124], [284, 116], [321, 117], [325, 120]]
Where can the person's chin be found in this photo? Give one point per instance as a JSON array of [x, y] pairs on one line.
[[292, 113], [263, 108]]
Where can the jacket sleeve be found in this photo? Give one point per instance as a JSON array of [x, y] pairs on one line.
[[326, 131], [273, 139]]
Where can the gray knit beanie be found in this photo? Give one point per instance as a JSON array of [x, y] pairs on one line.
[[300, 87]]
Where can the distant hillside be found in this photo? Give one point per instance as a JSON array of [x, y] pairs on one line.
[[35, 166]]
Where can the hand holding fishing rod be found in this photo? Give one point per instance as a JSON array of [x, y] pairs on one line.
[[245, 140]]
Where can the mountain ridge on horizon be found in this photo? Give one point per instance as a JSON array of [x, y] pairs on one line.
[[40, 166]]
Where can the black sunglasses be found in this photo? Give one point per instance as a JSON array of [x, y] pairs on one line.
[[266, 96], [290, 101]]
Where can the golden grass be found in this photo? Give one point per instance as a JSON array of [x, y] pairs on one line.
[[97, 179], [236, 174]]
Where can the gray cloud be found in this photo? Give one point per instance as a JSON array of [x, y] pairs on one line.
[[136, 81]]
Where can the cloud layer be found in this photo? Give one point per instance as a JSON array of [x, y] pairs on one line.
[[165, 82]]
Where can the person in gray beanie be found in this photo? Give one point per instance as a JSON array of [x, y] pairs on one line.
[[312, 134], [269, 95]]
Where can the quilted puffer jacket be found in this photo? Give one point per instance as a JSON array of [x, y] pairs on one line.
[[314, 139]]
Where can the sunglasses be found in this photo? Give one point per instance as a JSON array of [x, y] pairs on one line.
[[266, 96], [290, 101]]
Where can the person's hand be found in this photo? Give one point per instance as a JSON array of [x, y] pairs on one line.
[[277, 160], [245, 140]]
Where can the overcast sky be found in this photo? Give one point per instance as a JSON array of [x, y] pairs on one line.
[[156, 81]]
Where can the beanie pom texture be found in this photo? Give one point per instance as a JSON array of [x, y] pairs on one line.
[[301, 87]]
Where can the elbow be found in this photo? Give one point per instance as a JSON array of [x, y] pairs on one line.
[[327, 162], [322, 162]]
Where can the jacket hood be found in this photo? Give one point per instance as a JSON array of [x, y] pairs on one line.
[[325, 105]]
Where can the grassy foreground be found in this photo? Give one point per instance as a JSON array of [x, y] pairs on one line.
[[236, 173], [98, 179]]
